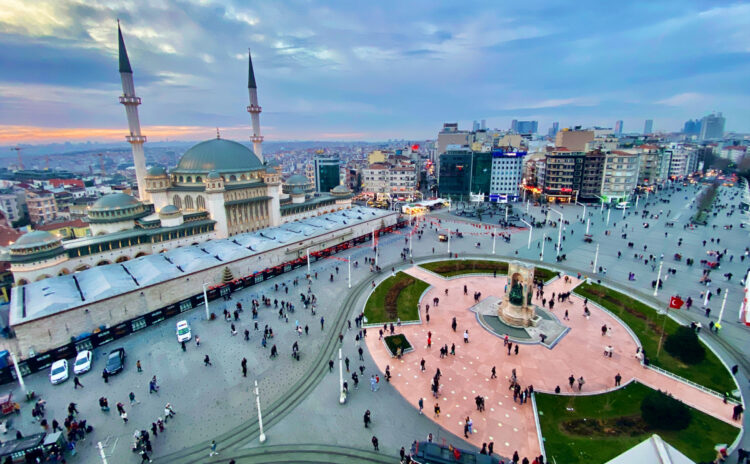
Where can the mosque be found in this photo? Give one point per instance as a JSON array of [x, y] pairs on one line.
[[219, 188]]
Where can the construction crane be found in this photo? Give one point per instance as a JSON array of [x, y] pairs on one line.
[[18, 152], [46, 162], [101, 164]]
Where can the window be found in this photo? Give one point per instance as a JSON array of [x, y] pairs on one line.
[[199, 179], [177, 201], [189, 178], [200, 202], [188, 202]]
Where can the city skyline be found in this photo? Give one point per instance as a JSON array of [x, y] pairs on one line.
[[366, 73]]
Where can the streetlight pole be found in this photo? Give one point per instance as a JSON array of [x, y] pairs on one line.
[[531, 231], [262, 437], [596, 258], [308, 261], [494, 234], [544, 239], [373, 238], [411, 237], [588, 223], [349, 267], [637, 197], [624, 208], [721, 311], [559, 231], [342, 395], [584, 208], [449, 242], [658, 277], [205, 301], [609, 210], [527, 206], [18, 372]]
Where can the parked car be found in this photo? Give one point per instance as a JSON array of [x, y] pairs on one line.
[[58, 372], [183, 332], [82, 363], [115, 361]]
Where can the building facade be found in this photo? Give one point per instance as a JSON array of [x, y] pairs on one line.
[[620, 175], [326, 172], [563, 175], [507, 175], [712, 127], [593, 172], [574, 140], [42, 206]]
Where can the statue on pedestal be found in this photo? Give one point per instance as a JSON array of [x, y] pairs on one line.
[[516, 308]]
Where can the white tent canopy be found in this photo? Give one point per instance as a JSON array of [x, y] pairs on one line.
[[653, 451]]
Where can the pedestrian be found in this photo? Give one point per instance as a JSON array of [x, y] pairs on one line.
[[373, 383], [580, 383], [494, 373], [466, 336], [105, 376], [213, 449], [367, 418], [571, 381], [322, 323], [737, 412], [133, 401], [618, 378], [138, 366], [375, 443], [330, 365], [437, 410], [346, 361], [360, 351], [247, 335], [145, 457], [76, 383], [124, 417], [207, 361], [197, 341], [421, 405], [244, 367], [515, 350]]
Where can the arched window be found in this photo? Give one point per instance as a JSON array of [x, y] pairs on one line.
[[199, 179], [242, 177], [232, 178], [200, 203], [189, 178], [181, 179], [188, 202], [177, 201]]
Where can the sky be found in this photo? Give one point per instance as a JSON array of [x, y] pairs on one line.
[[363, 70]]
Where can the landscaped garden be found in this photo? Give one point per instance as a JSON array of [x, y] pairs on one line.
[[479, 266], [397, 297], [594, 429], [647, 325], [394, 342]]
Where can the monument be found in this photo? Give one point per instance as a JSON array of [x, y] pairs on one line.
[[516, 309]]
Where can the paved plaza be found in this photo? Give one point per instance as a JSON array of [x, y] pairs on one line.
[[217, 400]]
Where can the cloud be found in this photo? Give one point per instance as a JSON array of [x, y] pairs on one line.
[[685, 99]]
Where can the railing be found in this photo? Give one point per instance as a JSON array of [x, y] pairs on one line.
[[692, 384], [125, 100]]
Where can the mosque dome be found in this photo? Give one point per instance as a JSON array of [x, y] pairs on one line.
[[116, 207], [342, 189], [114, 201], [169, 211], [156, 171], [297, 180], [34, 238], [270, 170], [218, 155], [213, 175]]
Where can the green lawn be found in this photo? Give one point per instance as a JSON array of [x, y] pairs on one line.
[[697, 441], [401, 290], [478, 266], [646, 323]]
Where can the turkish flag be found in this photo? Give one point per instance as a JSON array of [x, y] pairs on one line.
[[676, 302]]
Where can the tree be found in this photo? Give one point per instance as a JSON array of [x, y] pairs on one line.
[[684, 345], [661, 411]]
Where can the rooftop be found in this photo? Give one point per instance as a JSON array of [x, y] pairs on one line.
[[57, 294]]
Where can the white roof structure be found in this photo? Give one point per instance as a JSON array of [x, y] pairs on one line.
[[654, 450], [57, 294]]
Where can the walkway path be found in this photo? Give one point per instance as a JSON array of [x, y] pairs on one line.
[[467, 374]]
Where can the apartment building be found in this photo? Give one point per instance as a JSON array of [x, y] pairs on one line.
[[42, 206], [620, 175]]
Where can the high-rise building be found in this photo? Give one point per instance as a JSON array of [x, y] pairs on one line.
[[563, 175], [618, 128], [554, 129], [507, 173], [593, 171], [484, 124], [524, 127], [712, 127], [475, 126], [455, 172], [450, 135], [326, 172], [648, 127], [692, 127]]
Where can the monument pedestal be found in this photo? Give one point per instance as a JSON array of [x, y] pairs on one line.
[[516, 309]]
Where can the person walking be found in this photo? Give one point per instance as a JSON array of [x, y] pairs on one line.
[[76, 383], [346, 361], [133, 401], [494, 373], [124, 416], [330, 365], [322, 323], [437, 410], [466, 336], [580, 383], [571, 381], [184, 347], [373, 383], [375, 443], [421, 405], [213, 451], [618, 378], [207, 361], [360, 351], [367, 419], [244, 367]]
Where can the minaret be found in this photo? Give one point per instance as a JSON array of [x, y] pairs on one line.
[[131, 103], [254, 109]]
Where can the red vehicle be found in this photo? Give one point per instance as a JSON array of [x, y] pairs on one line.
[[7, 405]]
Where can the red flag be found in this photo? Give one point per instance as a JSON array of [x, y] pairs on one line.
[[676, 302]]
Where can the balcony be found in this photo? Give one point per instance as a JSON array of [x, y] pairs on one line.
[[126, 100], [256, 138], [136, 138], [254, 109]]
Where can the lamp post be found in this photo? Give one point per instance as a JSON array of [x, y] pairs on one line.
[[349, 268], [637, 197], [608, 212], [624, 208], [601, 207], [342, 395], [18, 372], [658, 276], [705, 298], [449, 242], [205, 301], [596, 258], [494, 235], [544, 239], [527, 206], [531, 231], [308, 261], [559, 230], [584, 209], [411, 237], [721, 311], [262, 436], [588, 223], [373, 238]]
